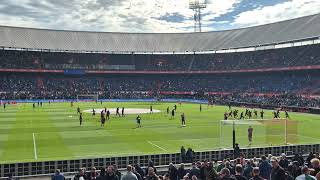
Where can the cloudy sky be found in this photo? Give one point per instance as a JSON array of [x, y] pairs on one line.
[[149, 15]]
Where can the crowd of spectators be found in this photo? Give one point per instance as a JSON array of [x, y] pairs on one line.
[[285, 57], [265, 168], [279, 89]]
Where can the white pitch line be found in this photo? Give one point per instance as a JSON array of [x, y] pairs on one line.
[[156, 146], [34, 147]]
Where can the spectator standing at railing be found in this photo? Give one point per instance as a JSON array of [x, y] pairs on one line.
[[57, 175], [194, 171], [210, 172], [173, 172], [129, 175], [264, 168], [247, 172], [181, 171], [151, 174], [284, 163], [110, 174], [81, 175], [277, 172]]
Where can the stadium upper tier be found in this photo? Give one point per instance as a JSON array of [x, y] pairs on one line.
[[286, 31]]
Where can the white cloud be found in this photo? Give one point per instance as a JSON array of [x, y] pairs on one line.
[[110, 15], [279, 12]]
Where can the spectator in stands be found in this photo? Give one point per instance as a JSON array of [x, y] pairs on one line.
[[305, 174], [315, 164], [284, 163], [93, 174], [264, 168], [210, 172], [248, 169], [166, 176], [150, 164], [102, 174], [277, 172], [183, 154], [81, 175], [137, 174], [309, 158], [230, 167], [294, 169], [189, 155], [173, 172], [181, 171], [129, 175], [139, 170], [116, 171], [221, 165], [110, 175], [226, 175], [194, 171], [57, 175], [151, 174], [239, 171], [299, 159], [256, 174]]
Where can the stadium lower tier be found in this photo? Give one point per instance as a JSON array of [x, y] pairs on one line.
[[300, 89]]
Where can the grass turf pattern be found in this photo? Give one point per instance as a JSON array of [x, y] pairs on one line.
[[52, 132]]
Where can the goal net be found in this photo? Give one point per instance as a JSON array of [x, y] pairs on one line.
[[266, 132], [87, 97]]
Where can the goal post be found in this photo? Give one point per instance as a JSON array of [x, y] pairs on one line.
[[266, 132], [88, 97]]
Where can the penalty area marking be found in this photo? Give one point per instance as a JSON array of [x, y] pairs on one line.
[[34, 147], [156, 146]]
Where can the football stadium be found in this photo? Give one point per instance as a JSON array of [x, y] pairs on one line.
[[227, 104]]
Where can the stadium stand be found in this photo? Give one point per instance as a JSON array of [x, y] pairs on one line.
[[48, 64]]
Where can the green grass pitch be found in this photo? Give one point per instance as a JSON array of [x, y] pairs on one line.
[[52, 132]]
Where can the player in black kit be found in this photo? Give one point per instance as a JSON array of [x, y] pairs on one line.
[[138, 121], [200, 107], [261, 114], [117, 112], [183, 120], [93, 112], [122, 112], [108, 115], [287, 114], [151, 109], [172, 114], [168, 110], [78, 110], [241, 115], [80, 119], [103, 120]]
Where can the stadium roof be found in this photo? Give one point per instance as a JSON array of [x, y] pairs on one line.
[[280, 32]]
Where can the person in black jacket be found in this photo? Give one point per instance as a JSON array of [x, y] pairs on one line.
[[181, 171], [173, 172], [139, 170], [277, 172], [80, 174], [194, 171], [110, 175]]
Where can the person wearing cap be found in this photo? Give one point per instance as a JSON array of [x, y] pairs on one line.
[[277, 172], [305, 174], [256, 174]]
